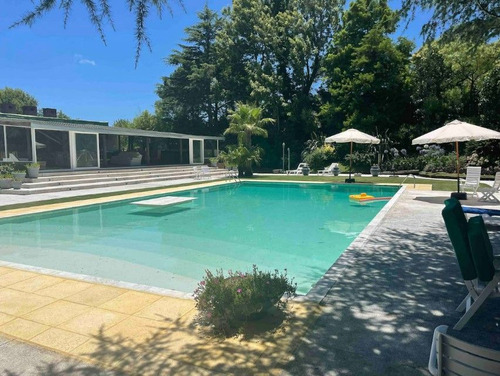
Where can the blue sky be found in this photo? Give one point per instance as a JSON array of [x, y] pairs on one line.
[[72, 70]]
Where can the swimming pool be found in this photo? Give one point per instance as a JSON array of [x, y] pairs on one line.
[[303, 228]]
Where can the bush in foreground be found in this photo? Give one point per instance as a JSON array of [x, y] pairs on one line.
[[227, 302]]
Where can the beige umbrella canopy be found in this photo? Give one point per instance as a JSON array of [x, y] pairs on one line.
[[352, 135], [457, 131]]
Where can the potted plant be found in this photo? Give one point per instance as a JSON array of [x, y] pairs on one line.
[[16, 183], [33, 170], [336, 170], [6, 180], [375, 170], [20, 175]]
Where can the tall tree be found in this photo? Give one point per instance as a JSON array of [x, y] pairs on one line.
[[190, 98], [281, 47], [18, 98], [367, 73], [470, 20], [99, 12]]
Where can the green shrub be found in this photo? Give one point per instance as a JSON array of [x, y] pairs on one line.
[[361, 162], [226, 302], [320, 157]]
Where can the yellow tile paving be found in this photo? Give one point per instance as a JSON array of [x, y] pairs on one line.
[[167, 308], [15, 277], [23, 329], [35, 283], [5, 318], [95, 319], [15, 302], [63, 289], [4, 270], [59, 339], [130, 302], [96, 295], [141, 333], [57, 313]]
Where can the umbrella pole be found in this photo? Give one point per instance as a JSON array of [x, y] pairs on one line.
[[458, 167], [350, 163], [458, 195]]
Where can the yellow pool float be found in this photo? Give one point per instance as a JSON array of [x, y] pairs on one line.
[[361, 196]]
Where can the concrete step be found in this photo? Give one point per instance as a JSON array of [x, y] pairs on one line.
[[114, 173], [92, 179], [214, 174]]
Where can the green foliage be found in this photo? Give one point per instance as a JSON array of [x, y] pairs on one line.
[[18, 98], [477, 21], [99, 13], [6, 170], [242, 157], [361, 162], [320, 157], [244, 122], [122, 123], [146, 121], [191, 97], [367, 72], [226, 302]]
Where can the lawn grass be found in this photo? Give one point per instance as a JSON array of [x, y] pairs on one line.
[[437, 185]]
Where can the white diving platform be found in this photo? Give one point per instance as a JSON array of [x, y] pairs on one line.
[[164, 201]]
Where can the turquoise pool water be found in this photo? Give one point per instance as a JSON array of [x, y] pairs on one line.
[[301, 227]]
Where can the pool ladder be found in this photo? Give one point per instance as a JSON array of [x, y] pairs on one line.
[[407, 176]]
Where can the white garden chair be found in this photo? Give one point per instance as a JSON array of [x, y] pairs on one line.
[[488, 193], [472, 180]]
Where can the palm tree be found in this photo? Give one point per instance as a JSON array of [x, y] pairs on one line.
[[246, 121]]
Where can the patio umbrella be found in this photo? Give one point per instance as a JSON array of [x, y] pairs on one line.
[[457, 131], [352, 135]]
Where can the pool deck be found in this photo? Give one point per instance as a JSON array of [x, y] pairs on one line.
[[385, 298]]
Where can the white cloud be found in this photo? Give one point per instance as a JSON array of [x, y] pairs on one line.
[[81, 60]]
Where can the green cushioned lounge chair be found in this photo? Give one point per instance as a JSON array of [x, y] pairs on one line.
[[470, 242]]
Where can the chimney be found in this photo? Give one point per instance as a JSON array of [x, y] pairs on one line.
[[8, 108], [49, 112], [29, 110]]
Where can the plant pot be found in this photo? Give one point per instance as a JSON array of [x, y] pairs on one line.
[[16, 184], [5, 183], [305, 171], [336, 171], [19, 176], [33, 172], [375, 170]]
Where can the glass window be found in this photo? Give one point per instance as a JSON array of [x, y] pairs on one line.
[[197, 151], [52, 149], [18, 143], [86, 150], [184, 151], [2, 144], [210, 149]]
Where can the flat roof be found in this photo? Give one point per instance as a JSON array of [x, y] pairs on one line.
[[56, 124]]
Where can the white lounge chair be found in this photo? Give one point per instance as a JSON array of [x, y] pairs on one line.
[[451, 356], [298, 171], [472, 180], [488, 194], [329, 169]]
